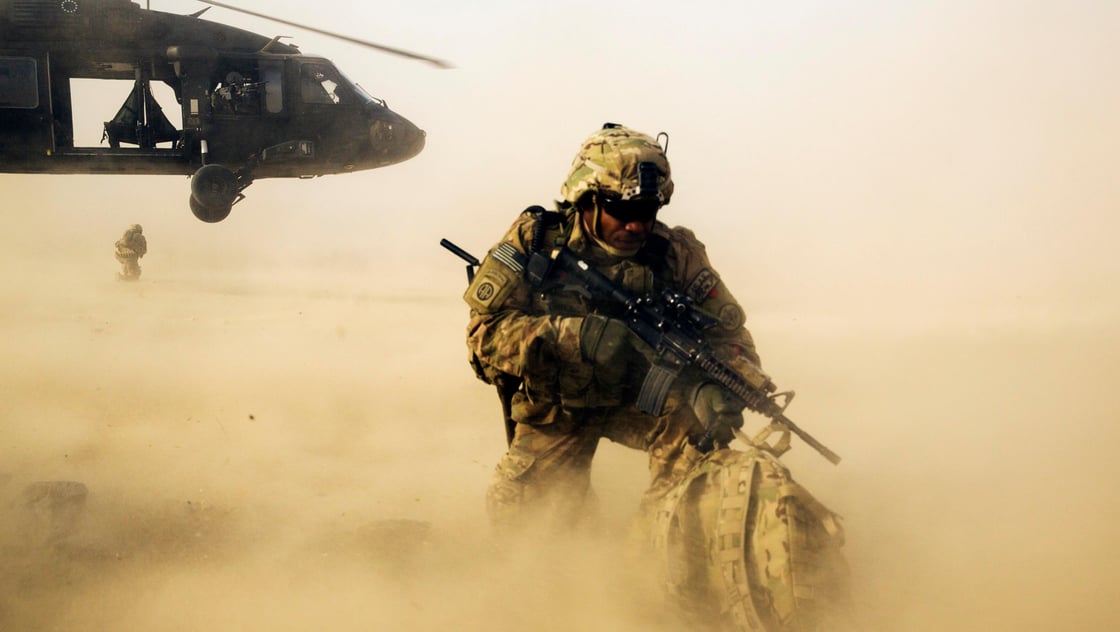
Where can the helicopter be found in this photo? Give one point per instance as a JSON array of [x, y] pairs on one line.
[[252, 107]]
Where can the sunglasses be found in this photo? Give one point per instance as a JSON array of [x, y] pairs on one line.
[[641, 209]]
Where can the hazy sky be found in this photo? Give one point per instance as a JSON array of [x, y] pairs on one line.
[[915, 157]]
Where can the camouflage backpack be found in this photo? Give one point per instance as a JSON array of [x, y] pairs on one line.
[[739, 538]]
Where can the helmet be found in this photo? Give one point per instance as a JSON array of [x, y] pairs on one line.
[[612, 160], [136, 228]]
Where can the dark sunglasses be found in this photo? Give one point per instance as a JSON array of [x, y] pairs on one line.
[[641, 209]]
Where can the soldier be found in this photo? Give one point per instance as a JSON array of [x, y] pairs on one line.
[[130, 247], [568, 366]]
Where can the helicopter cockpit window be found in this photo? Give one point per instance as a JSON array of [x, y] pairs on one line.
[[19, 83], [361, 93], [320, 83]]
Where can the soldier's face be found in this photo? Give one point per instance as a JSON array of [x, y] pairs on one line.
[[626, 233]]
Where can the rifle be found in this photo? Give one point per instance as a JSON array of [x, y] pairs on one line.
[[674, 329]]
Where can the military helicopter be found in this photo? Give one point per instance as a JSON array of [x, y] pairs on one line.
[[252, 107]]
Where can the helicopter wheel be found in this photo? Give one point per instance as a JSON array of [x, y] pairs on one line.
[[214, 186], [210, 214]]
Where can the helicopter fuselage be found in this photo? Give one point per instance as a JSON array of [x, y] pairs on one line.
[[252, 104]]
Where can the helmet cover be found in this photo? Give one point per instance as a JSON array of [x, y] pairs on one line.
[[608, 162]]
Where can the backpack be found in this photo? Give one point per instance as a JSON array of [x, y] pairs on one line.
[[741, 542]]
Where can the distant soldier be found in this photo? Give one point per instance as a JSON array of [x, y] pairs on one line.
[[130, 247]]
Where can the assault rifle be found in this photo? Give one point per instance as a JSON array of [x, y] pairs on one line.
[[674, 329]]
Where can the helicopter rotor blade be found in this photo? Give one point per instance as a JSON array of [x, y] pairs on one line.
[[439, 63]]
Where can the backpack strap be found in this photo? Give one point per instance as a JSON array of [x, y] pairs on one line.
[[730, 543], [665, 531]]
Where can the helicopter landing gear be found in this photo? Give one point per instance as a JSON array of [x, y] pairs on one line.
[[209, 214], [214, 190]]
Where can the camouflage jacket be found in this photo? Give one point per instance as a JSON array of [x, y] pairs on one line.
[[532, 333]]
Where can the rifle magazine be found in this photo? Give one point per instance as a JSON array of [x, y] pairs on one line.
[[655, 389]]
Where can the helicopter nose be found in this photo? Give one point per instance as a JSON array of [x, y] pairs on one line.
[[393, 137]]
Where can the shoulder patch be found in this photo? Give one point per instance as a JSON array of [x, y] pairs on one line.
[[702, 285], [488, 290], [731, 317], [485, 292]]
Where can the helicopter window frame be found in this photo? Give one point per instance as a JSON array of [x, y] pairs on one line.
[[272, 76], [19, 83]]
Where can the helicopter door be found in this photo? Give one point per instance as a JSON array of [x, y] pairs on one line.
[[331, 115]]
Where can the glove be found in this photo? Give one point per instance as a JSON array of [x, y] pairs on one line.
[[719, 410]]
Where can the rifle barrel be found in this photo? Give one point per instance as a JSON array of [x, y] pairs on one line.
[[832, 457]]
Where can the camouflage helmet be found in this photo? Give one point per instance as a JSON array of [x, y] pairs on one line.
[[136, 228], [608, 161]]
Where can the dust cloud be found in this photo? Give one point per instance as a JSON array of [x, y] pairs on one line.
[[281, 444], [260, 450], [276, 427]]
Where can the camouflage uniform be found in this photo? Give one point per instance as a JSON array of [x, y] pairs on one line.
[[565, 404], [129, 248]]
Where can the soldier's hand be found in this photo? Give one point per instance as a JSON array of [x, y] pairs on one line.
[[718, 409], [602, 340]]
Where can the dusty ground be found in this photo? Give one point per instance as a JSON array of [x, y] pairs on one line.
[[302, 446]]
